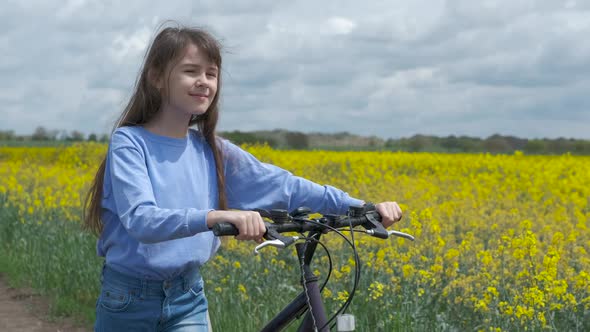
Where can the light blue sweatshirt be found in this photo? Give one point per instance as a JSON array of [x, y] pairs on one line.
[[158, 190]]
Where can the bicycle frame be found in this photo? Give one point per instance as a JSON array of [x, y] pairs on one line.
[[310, 299], [311, 291]]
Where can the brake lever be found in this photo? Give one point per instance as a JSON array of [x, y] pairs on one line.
[[389, 233], [376, 228], [401, 234], [275, 243], [275, 240]]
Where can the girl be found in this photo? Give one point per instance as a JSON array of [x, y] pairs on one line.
[[163, 185]]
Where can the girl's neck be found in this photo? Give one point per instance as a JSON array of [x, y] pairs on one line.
[[168, 124]]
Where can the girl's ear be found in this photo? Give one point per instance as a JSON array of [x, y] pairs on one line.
[[155, 79]]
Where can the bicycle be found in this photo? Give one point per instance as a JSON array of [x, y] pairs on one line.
[[298, 221]]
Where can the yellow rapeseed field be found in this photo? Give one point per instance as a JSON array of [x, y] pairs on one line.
[[502, 241]]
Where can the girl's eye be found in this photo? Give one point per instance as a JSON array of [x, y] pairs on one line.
[[189, 71], [211, 74]]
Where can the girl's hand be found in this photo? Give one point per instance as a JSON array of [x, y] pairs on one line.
[[390, 213], [249, 223]]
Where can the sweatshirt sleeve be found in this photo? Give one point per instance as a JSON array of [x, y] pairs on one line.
[[252, 184], [135, 202]]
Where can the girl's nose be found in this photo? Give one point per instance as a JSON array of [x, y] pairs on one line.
[[201, 79]]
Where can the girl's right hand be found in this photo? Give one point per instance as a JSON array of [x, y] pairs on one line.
[[249, 223]]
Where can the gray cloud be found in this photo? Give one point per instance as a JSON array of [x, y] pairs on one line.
[[385, 68]]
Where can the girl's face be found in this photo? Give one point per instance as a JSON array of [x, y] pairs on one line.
[[192, 84]]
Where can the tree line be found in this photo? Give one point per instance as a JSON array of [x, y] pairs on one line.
[[498, 144], [41, 134], [284, 139]]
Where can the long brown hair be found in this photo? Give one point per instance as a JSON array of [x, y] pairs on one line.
[[166, 49]]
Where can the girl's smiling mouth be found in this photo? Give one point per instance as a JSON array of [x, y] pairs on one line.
[[200, 96]]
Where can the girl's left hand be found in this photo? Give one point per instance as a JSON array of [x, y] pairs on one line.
[[390, 213]]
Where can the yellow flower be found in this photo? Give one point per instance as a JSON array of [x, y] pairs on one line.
[[481, 306], [376, 290], [342, 296], [242, 288], [420, 292], [345, 269], [408, 270]]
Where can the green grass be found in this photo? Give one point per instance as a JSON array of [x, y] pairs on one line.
[[58, 260]]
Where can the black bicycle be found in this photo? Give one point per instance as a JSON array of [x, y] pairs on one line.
[[309, 302]]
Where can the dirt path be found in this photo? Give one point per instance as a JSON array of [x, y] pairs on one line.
[[21, 310]]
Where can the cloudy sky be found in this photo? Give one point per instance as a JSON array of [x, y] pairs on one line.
[[390, 68]]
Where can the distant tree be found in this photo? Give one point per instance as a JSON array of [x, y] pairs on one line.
[[470, 144], [7, 135], [535, 146], [297, 140], [40, 134], [451, 144], [341, 135], [390, 143], [497, 144], [92, 137], [515, 143], [104, 138], [239, 137], [76, 136], [558, 146], [418, 143], [374, 141], [581, 147]]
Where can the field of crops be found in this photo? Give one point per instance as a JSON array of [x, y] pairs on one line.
[[502, 242]]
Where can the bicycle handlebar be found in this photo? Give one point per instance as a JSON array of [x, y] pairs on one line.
[[299, 222], [301, 225]]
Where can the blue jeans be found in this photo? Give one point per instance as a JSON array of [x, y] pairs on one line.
[[127, 303]]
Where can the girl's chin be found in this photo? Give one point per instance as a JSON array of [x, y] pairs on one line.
[[197, 113]]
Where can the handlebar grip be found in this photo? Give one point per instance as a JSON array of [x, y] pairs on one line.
[[225, 229], [376, 215]]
